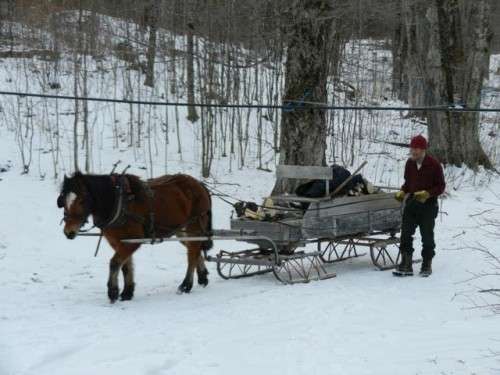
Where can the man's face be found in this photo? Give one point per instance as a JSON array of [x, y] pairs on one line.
[[416, 154]]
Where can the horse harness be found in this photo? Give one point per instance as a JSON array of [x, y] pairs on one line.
[[121, 214]]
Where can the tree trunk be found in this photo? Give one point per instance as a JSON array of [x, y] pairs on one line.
[[399, 54], [413, 15], [303, 132], [153, 12], [192, 114], [409, 42], [461, 36], [448, 43]]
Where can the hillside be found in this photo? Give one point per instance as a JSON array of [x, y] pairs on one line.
[[55, 317]]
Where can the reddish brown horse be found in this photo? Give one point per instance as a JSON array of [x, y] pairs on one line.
[[125, 207]]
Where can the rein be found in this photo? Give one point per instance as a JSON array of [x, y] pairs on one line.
[[120, 185], [122, 190]]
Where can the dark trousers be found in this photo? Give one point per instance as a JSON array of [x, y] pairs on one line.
[[422, 215]]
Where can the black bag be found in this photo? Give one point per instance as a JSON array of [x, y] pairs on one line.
[[316, 188]]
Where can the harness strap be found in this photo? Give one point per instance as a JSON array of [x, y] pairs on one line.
[[123, 191], [118, 183], [151, 224]]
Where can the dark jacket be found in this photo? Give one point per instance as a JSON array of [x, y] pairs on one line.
[[429, 177]]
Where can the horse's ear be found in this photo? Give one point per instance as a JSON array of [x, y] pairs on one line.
[[60, 201]]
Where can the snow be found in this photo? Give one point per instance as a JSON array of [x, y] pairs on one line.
[[55, 317]]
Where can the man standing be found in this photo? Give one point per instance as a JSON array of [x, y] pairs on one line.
[[424, 182]]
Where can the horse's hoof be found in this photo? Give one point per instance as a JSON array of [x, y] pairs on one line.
[[184, 288], [203, 278], [127, 292], [126, 296], [113, 294]]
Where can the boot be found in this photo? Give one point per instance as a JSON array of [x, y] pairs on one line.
[[405, 268], [426, 269]]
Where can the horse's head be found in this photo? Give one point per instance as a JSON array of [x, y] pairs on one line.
[[76, 201]]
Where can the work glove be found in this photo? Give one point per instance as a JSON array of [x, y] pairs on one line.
[[422, 196], [399, 196]]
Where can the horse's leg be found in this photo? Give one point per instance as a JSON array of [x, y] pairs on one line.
[[201, 270], [128, 279], [193, 256], [114, 268], [205, 226], [122, 253]]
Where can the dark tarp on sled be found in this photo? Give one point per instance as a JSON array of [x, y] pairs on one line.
[[316, 188]]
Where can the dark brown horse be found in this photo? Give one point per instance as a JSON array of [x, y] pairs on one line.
[[124, 207]]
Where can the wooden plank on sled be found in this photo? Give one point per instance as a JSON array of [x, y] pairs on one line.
[[306, 172], [283, 231], [296, 198], [354, 205]]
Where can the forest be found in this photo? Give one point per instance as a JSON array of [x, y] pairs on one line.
[[239, 107]]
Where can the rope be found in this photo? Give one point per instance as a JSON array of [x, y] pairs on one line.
[[290, 105]]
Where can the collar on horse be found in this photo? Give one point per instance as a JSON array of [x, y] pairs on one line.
[[122, 195], [120, 214]]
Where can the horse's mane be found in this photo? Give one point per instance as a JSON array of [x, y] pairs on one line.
[[101, 190]]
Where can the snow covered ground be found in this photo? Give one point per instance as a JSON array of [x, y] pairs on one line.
[[55, 317]]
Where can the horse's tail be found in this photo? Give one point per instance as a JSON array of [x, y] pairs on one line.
[[208, 244]]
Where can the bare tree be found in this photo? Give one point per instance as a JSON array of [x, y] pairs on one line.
[[463, 38], [152, 16], [443, 62], [303, 131], [192, 114]]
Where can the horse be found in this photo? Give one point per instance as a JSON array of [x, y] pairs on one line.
[[125, 207]]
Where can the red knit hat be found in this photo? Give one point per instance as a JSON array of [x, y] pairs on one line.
[[419, 142]]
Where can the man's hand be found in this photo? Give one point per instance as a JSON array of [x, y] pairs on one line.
[[400, 195], [422, 196]]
